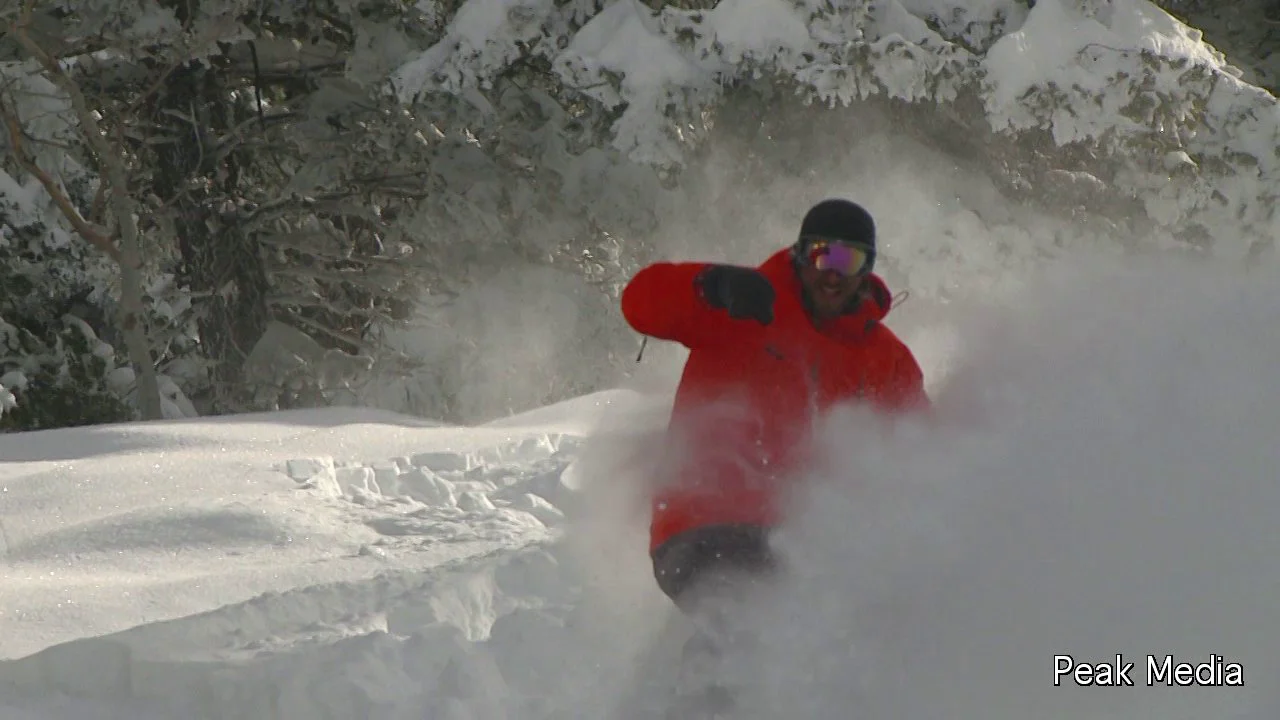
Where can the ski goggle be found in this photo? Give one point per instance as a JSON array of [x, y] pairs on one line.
[[835, 255]]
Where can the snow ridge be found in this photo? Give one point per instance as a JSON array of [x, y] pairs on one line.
[[1090, 483], [370, 644]]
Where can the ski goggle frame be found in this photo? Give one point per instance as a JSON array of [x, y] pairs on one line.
[[847, 259]]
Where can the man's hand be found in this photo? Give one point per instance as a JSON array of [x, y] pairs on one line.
[[743, 292]]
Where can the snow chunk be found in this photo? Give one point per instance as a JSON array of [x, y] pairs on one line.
[[354, 480], [7, 400], [121, 379], [15, 379], [317, 473], [571, 476], [1178, 159], [521, 451], [970, 9], [1156, 30], [443, 461], [484, 487], [534, 573], [467, 604], [538, 507], [475, 502], [427, 487], [477, 22], [386, 475], [303, 469]]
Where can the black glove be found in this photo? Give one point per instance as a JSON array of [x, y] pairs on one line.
[[744, 292]]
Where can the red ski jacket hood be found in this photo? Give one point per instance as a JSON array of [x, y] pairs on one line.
[[749, 394]]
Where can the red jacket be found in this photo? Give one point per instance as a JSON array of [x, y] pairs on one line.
[[749, 392]]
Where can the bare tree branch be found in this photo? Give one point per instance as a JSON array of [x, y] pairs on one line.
[[360, 344], [94, 235], [129, 254]]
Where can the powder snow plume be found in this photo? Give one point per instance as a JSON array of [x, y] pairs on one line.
[[1099, 478]]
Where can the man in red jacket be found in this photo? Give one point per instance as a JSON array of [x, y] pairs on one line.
[[771, 348]]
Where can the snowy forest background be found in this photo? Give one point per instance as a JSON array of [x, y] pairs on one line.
[[222, 206]]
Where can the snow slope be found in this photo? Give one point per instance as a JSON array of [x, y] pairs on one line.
[[134, 551], [1099, 478]]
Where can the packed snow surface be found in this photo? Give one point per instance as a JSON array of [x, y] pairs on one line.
[[1098, 478]]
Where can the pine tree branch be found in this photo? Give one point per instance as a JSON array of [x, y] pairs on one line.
[[129, 255], [87, 230]]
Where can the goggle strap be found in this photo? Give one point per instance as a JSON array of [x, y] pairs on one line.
[[808, 241]]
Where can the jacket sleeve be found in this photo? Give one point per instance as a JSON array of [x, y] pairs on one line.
[[662, 301]]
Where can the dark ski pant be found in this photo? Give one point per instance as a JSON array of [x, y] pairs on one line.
[[706, 572], [712, 563]]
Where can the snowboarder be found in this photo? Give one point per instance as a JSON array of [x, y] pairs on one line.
[[770, 347]]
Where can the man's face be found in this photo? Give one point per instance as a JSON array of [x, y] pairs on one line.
[[830, 275]]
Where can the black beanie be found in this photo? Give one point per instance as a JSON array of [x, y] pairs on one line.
[[840, 219]]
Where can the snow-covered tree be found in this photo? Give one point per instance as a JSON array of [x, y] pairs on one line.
[[1129, 122], [50, 276]]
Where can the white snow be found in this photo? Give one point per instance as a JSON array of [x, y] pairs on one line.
[[943, 9], [20, 201], [1059, 45], [1098, 479], [623, 37], [1121, 74], [7, 399], [756, 28], [1052, 46], [105, 528], [153, 22], [483, 35]]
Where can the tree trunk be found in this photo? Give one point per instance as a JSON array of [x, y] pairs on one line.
[[219, 259], [132, 305], [122, 206], [132, 309]]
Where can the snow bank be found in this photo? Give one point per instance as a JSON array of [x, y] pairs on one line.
[[347, 650], [262, 566], [464, 638], [1098, 479], [493, 492], [255, 567], [105, 528]]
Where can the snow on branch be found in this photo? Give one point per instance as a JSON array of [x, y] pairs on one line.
[[1164, 115], [93, 234], [127, 254]]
